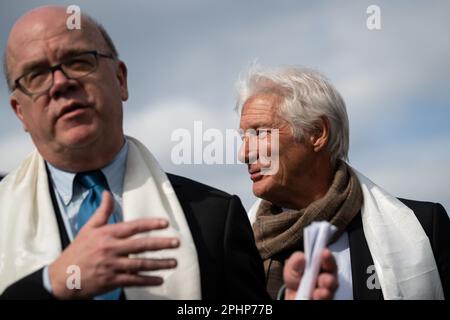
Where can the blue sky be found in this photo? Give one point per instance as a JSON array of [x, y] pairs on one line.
[[184, 58]]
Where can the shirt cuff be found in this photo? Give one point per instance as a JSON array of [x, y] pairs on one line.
[[46, 280]]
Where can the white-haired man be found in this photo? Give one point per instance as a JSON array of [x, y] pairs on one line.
[[384, 247]]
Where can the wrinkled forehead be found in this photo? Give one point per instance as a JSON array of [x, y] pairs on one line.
[[46, 37], [261, 110], [267, 102]]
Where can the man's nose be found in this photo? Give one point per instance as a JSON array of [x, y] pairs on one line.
[[248, 152], [61, 83]]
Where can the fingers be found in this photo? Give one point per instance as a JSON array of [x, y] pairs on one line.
[[139, 245], [327, 281], [128, 229], [322, 294], [102, 214], [135, 280], [328, 263], [133, 265], [293, 270]]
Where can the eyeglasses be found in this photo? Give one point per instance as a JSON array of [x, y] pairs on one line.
[[41, 80]]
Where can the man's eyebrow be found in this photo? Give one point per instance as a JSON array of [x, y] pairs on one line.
[[261, 123], [32, 65], [73, 52]]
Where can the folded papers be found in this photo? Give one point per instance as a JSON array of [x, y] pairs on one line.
[[315, 238]]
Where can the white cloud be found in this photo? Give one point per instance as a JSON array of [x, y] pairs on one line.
[[419, 170], [154, 125]]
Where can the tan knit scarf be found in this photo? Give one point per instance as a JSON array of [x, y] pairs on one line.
[[279, 233]]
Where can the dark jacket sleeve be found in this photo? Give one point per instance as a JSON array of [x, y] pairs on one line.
[[440, 242], [244, 272], [30, 287]]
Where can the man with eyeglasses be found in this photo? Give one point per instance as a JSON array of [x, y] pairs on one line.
[[38, 80], [90, 214]]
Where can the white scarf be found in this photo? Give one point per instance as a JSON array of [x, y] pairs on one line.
[[29, 236], [401, 251]]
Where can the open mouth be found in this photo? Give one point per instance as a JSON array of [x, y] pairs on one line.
[[72, 110]]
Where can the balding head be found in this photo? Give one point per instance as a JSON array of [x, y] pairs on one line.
[[76, 121], [44, 22]]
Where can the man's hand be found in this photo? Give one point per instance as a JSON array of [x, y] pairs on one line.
[[101, 251], [327, 282]]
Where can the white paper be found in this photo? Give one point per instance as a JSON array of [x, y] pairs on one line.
[[315, 238]]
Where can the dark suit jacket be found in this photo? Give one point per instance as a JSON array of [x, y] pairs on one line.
[[434, 221], [230, 265]]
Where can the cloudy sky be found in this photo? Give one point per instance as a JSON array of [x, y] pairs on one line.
[[184, 58]]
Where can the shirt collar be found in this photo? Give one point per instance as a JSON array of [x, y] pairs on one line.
[[114, 173], [62, 182]]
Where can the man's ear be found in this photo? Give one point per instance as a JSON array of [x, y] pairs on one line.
[[122, 73], [17, 108], [320, 135]]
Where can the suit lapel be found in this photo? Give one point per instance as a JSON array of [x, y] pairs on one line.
[[365, 286]]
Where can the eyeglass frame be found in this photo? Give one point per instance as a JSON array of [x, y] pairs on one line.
[[52, 69]]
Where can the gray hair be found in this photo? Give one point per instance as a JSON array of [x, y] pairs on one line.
[[307, 97], [106, 37]]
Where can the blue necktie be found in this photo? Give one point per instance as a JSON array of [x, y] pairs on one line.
[[96, 183]]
